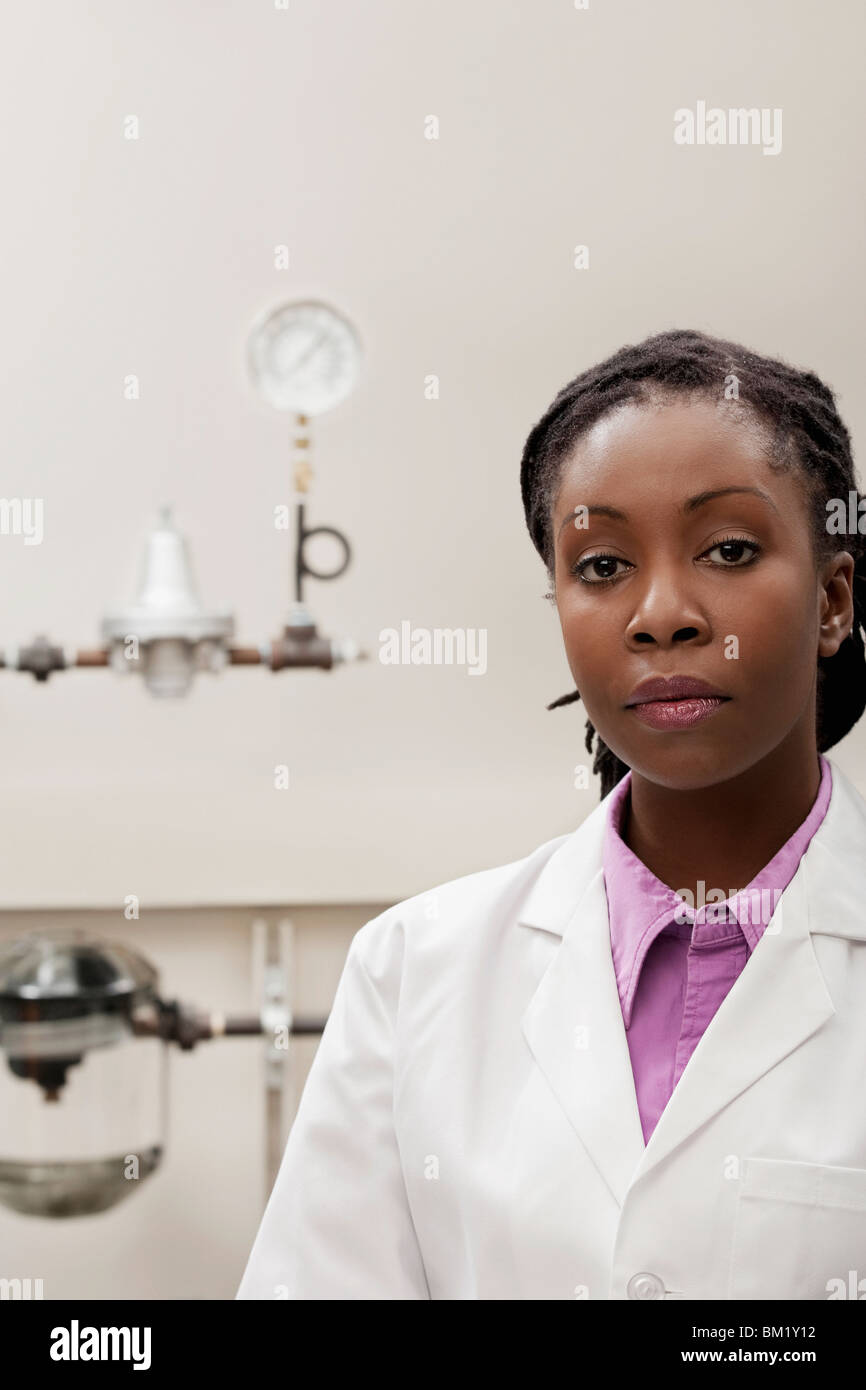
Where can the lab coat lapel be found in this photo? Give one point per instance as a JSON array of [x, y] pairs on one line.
[[778, 1001], [782, 997], [573, 1023]]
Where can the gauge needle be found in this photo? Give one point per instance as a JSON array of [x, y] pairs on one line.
[[305, 356]]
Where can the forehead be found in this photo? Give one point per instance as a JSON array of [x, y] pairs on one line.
[[669, 444]]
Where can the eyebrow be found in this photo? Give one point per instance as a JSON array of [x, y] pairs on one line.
[[691, 504]]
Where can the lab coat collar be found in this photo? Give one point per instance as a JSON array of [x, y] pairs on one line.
[[573, 1022], [841, 837]]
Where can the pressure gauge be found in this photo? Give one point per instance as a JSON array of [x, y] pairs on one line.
[[304, 357]]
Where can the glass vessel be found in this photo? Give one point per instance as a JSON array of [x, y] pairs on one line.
[[83, 1073]]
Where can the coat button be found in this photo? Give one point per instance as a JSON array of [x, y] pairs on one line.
[[645, 1286]]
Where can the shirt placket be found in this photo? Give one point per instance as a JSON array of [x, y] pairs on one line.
[[716, 954]]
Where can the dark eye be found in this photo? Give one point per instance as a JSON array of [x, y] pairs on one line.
[[735, 552], [602, 568]]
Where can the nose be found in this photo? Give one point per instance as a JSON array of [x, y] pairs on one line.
[[666, 614]]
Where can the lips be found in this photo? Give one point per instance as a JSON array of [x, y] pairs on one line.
[[660, 688], [675, 702]]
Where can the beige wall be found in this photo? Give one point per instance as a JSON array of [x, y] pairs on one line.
[[306, 126], [453, 257]]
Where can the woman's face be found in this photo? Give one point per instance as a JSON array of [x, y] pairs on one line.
[[693, 558]]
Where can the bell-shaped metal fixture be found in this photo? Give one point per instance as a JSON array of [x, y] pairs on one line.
[[166, 633]]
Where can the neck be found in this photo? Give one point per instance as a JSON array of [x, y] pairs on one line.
[[724, 834]]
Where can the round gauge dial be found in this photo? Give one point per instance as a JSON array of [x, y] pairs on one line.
[[304, 357]]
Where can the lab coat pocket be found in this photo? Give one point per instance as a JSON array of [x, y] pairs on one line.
[[799, 1231]]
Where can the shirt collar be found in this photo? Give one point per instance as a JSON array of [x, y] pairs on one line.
[[640, 906]]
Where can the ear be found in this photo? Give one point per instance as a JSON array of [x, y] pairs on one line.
[[836, 578]]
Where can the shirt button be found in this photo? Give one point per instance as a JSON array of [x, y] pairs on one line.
[[645, 1285]]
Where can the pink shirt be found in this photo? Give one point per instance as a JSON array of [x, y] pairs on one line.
[[673, 975]]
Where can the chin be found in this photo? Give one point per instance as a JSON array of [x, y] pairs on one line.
[[689, 771], [680, 763], [690, 779]]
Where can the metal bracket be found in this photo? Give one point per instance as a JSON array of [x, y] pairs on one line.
[[272, 976]]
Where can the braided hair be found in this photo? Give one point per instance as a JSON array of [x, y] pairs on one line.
[[807, 433]]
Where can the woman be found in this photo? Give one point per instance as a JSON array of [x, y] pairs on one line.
[[631, 1064]]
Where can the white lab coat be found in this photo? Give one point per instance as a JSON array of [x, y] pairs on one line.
[[469, 1127]]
